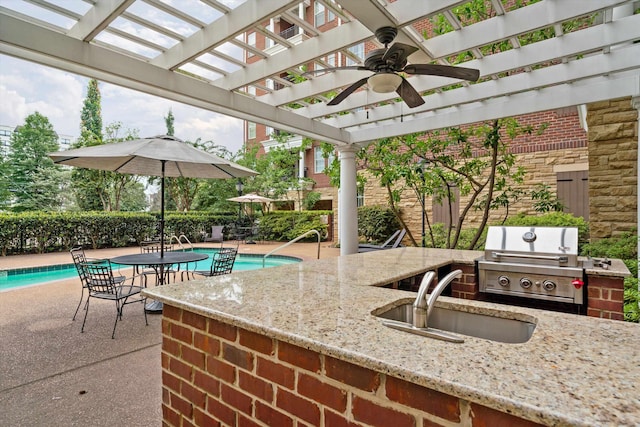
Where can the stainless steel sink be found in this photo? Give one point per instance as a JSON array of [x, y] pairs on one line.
[[484, 326]]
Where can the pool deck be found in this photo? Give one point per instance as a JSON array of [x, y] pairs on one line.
[[51, 374]]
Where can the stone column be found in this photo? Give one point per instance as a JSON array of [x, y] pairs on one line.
[[613, 172], [347, 202], [635, 103]]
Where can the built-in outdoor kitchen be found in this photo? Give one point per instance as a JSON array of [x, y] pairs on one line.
[[323, 342]]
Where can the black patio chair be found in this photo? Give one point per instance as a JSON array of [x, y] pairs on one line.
[[102, 284], [222, 262], [152, 270], [79, 257]]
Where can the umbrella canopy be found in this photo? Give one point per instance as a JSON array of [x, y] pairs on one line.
[[251, 198], [157, 156], [147, 156]]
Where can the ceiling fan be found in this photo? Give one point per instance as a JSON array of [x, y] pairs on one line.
[[388, 62]]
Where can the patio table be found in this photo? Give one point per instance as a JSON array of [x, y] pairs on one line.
[[158, 263]]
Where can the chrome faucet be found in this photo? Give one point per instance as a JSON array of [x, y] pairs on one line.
[[423, 306]]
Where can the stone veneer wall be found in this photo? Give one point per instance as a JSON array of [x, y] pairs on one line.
[[613, 173], [214, 374], [541, 166]]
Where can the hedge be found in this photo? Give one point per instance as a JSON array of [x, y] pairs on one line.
[[42, 232]]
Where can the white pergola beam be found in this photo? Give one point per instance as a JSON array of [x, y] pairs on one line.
[[572, 44], [98, 18], [223, 29], [34, 43], [307, 51], [564, 95]]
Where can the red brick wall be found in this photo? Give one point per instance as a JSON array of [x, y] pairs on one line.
[[219, 375], [606, 297]]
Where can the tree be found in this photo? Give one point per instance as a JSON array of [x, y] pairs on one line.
[[181, 190], [34, 181], [168, 120], [476, 159], [86, 182], [277, 170]]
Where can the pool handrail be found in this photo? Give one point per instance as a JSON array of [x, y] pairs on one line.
[[179, 240], [303, 235]]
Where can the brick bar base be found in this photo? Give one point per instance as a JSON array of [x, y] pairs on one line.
[[214, 374]]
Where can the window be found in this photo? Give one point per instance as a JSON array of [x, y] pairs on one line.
[[360, 196], [318, 160], [331, 60], [251, 130], [357, 50], [251, 41], [319, 14]]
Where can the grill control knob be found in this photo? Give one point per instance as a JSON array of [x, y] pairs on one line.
[[548, 285], [526, 282], [503, 281]]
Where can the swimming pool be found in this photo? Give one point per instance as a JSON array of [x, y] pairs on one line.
[[20, 277]]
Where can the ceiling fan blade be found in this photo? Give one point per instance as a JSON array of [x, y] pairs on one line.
[[348, 91], [409, 94], [470, 74], [398, 53], [324, 70]]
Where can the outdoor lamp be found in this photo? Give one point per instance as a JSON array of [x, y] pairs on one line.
[[384, 82], [239, 187]]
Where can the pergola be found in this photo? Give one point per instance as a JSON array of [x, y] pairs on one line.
[[195, 52]]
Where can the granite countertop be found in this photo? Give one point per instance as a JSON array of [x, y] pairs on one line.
[[575, 370]]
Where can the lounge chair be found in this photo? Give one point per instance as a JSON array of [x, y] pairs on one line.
[[391, 243], [216, 234]]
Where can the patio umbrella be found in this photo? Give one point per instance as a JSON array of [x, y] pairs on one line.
[[161, 156], [250, 198]]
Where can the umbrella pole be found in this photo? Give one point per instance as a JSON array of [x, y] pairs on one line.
[[162, 212]]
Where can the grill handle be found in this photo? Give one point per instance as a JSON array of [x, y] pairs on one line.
[[558, 258]]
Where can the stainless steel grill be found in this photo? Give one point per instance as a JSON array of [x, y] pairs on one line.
[[532, 262]]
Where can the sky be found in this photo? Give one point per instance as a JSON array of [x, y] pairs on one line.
[[27, 87]]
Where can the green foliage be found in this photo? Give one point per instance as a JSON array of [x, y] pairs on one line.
[[376, 223], [287, 225], [168, 120], [545, 200], [29, 175], [91, 115], [631, 300], [277, 170], [439, 233], [625, 247], [310, 200], [40, 232]]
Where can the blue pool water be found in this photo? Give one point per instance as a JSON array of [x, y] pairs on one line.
[[11, 279]]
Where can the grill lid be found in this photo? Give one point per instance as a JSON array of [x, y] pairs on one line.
[[533, 245]]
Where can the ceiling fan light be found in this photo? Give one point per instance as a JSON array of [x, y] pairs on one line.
[[384, 82]]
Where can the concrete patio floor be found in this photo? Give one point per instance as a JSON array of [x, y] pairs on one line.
[[51, 374]]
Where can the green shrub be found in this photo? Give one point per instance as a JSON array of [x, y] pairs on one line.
[[284, 226], [440, 237], [40, 232], [376, 223]]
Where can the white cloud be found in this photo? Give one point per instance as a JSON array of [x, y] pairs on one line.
[[27, 87]]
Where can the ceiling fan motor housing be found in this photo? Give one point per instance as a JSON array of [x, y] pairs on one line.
[[385, 35]]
